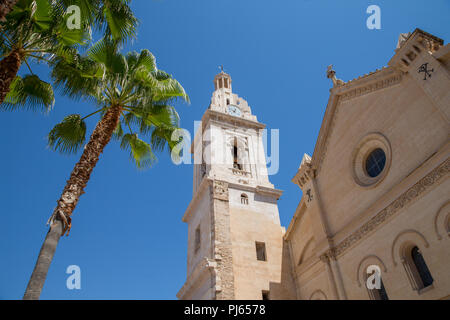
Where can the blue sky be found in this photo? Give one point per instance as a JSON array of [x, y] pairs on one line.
[[127, 235]]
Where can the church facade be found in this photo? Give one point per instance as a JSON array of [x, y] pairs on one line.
[[374, 218]]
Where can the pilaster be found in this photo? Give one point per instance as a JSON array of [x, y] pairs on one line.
[[220, 217]]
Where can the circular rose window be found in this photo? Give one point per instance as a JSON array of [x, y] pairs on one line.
[[371, 160]]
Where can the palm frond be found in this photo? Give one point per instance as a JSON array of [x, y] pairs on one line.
[[162, 137], [71, 37], [105, 52], [30, 93], [118, 20], [162, 87], [69, 135], [158, 115], [42, 17], [81, 77], [88, 8], [140, 151], [169, 89], [146, 59]]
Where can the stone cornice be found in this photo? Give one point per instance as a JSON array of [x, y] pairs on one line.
[[328, 122], [418, 41], [196, 275], [422, 186], [276, 193], [372, 82], [269, 191], [238, 121]]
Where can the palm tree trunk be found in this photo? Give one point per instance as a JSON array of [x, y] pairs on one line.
[[5, 7], [60, 220], [9, 67]]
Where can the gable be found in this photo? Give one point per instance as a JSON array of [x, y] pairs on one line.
[[367, 84], [401, 114]]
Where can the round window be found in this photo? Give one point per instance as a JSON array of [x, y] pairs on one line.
[[375, 162], [371, 160]]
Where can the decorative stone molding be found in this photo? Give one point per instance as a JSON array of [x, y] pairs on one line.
[[328, 123], [241, 173], [412, 46], [422, 186], [220, 190], [271, 192], [371, 87], [212, 115], [328, 255], [305, 172], [324, 258]]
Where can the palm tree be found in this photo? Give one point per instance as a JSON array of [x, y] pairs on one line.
[[131, 93], [33, 30], [38, 30]]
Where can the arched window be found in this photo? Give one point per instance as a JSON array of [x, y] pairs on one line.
[[421, 268], [244, 198], [236, 164], [375, 293], [379, 294]]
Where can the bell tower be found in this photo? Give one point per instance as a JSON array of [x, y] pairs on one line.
[[234, 234]]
